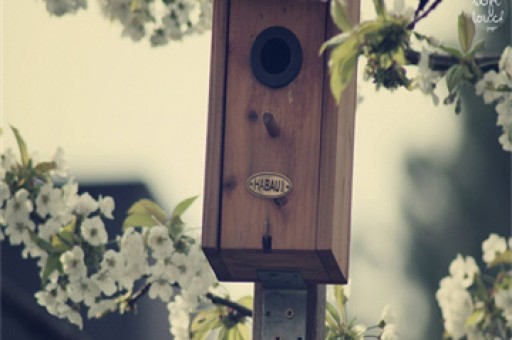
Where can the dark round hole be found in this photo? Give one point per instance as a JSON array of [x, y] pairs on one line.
[[275, 56]]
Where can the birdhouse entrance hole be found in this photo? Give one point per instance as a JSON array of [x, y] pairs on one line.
[[276, 57]]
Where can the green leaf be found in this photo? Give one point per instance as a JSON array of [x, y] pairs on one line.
[[52, 264], [466, 31], [399, 56], [140, 220], [380, 7], [450, 50], [339, 296], [64, 240], [342, 64], [41, 243], [223, 333], [244, 331], [144, 213], [246, 301], [148, 207], [332, 317], [504, 258], [455, 77], [183, 206], [475, 317], [44, 167], [333, 42], [333, 311], [235, 334], [22, 146], [477, 48], [204, 323], [340, 16]]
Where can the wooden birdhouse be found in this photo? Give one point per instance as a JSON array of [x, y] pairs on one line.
[[279, 150]]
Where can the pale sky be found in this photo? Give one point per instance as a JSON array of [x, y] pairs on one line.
[[124, 110]]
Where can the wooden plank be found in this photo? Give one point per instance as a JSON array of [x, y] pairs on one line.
[[213, 173], [336, 162], [242, 264], [249, 149]]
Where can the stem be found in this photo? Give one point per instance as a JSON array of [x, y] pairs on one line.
[[242, 310], [424, 15], [143, 291], [441, 62]]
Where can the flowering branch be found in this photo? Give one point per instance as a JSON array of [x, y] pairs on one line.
[[385, 42]]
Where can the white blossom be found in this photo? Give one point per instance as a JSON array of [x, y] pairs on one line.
[[5, 192], [98, 309], [494, 245], [160, 242], [107, 206], [179, 318], [105, 282], [160, 287], [53, 296], [74, 317], [83, 289], [48, 229], [93, 231], [359, 331], [18, 229], [86, 205], [387, 316], [505, 63], [427, 79], [503, 300], [73, 263], [464, 270], [8, 160], [456, 306], [113, 262], [18, 207], [135, 258], [489, 85], [61, 166], [49, 201], [389, 332]]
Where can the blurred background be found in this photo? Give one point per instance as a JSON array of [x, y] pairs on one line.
[[428, 184]]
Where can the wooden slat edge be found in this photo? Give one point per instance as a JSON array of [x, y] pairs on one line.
[[214, 139], [336, 163]]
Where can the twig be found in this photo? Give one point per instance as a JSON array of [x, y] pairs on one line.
[[242, 310], [440, 62], [424, 14]]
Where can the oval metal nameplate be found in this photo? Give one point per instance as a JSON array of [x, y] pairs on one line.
[[269, 185]]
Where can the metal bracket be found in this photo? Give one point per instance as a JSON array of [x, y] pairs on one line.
[[284, 305]]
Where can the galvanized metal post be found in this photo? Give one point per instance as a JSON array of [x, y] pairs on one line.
[[286, 308]]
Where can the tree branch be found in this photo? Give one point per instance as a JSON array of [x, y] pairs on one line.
[[242, 310], [441, 62]]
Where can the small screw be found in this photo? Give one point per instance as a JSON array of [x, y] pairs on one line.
[[289, 313]]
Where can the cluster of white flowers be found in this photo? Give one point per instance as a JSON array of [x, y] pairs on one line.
[[338, 326], [461, 294], [66, 232], [61, 7], [497, 87], [388, 322], [167, 19]]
